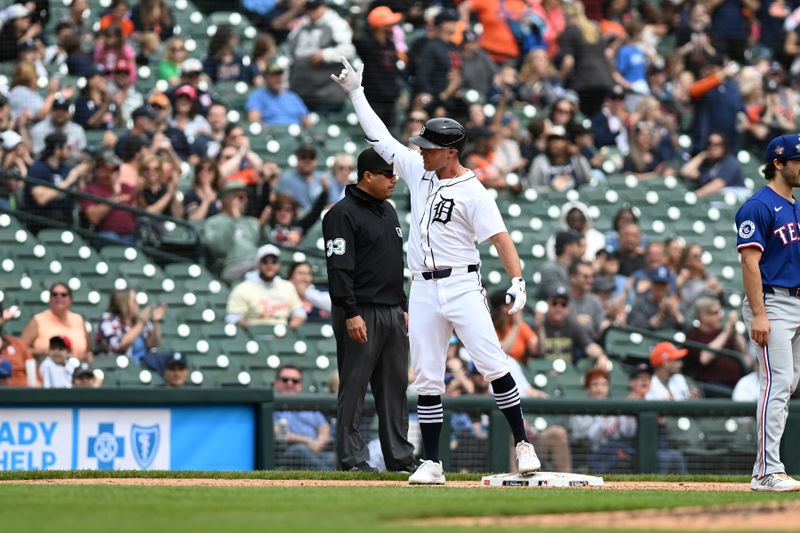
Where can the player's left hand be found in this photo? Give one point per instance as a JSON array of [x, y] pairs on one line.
[[516, 294]]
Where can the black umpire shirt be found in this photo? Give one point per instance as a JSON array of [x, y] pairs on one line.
[[364, 249]]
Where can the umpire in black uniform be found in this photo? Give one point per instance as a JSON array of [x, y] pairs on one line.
[[364, 248]]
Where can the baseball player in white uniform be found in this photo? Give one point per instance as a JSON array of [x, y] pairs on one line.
[[451, 211]]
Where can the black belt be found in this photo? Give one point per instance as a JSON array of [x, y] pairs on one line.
[[793, 291], [445, 272]]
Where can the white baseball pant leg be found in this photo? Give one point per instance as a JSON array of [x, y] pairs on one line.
[[436, 308]]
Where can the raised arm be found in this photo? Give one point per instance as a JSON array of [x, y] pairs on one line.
[[376, 132]]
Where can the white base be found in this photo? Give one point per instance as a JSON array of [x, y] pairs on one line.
[[541, 479]]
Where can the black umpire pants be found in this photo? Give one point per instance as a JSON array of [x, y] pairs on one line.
[[381, 362]]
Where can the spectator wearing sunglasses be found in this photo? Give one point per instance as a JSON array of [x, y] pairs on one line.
[[304, 183], [264, 298], [715, 169], [169, 68], [58, 321], [285, 227], [562, 337], [302, 438]]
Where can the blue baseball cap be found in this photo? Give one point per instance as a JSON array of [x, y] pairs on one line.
[[784, 147], [6, 369], [660, 275]]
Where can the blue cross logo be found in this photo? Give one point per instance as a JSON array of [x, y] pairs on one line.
[[106, 446]]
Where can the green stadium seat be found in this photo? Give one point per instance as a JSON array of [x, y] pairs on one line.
[[187, 271], [135, 377], [124, 255]]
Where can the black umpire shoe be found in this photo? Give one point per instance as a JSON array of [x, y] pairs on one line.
[[410, 468], [363, 467]]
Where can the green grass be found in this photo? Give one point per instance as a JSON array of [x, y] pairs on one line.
[[199, 509]]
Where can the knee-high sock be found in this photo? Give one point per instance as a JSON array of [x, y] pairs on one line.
[[506, 395], [431, 415]]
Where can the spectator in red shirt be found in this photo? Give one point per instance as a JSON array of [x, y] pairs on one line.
[[709, 367], [109, 221]]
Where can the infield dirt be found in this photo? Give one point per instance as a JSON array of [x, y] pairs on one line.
[[200, 482]]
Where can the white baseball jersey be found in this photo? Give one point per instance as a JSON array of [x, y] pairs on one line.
[[448, 216]]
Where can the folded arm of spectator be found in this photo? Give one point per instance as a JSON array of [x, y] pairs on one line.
[[715, 185], [44, 195], [691, 170]]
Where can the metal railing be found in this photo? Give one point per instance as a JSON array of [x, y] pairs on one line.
[[194, 244]]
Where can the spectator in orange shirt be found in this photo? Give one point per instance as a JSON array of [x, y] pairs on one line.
[[497, 18], [118, 15], [58, 320], [17, 365], [516, 337]]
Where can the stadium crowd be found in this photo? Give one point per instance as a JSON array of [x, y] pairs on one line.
[[676, 88]]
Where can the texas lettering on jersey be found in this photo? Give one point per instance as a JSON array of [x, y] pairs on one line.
[[769, 222], [788, 233]]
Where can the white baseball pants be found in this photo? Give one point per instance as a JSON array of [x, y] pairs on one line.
[[437, 308]]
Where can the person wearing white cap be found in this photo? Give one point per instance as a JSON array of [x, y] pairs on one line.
[[263, 298], [191, 74], [17, 28], [16, 159], [11, 140], [557, 167]]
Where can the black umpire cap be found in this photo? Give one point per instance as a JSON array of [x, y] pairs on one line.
[[441, 133], [370, 161]]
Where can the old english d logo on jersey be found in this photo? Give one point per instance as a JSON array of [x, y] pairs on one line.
[[443, 211]]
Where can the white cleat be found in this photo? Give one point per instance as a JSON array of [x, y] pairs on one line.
[[428, 473], [779, 482], [527, 462]]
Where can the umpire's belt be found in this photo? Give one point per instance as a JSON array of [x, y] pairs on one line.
[[445, 272], [794, 292]]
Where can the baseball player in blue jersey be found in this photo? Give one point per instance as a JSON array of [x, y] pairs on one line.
[[768, 240]]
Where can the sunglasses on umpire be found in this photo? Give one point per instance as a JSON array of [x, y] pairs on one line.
[[387, 175]]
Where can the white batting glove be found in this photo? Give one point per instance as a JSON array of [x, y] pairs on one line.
[[516, 294], [350, 79]]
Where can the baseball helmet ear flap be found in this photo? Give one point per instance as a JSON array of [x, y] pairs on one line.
[[441, 133]]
